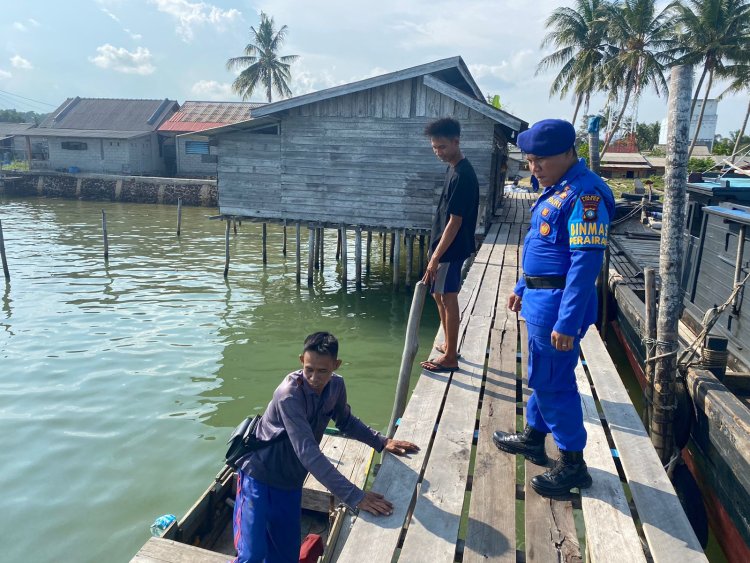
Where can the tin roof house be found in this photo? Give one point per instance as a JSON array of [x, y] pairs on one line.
[[105, 135], [193, 157], [355, 154]]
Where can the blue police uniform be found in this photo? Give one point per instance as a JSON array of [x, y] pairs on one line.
[[565, 244]]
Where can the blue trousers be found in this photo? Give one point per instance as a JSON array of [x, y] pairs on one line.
[[267, 522], [555, 404]]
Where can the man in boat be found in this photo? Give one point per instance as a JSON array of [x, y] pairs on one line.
[[452, 239], [267, 511], [562, 257]]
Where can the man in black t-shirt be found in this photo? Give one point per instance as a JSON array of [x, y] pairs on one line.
[[452, 239]]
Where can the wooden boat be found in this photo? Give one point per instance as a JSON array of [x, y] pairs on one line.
[[204, 534], [716, 258]]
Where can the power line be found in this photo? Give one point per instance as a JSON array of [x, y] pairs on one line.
[[30, 99]]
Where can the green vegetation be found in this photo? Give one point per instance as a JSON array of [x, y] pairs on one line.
[[623, 47], [13, 116], [261, 64], [17, 165]]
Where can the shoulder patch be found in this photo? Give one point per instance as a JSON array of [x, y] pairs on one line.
[[544, 229], [590, 206]]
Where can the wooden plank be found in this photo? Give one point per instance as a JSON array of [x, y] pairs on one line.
[[433, 529], [610, 530], [159, 550], [665, 525]]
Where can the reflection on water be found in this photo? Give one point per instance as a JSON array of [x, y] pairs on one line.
[[119, 380]]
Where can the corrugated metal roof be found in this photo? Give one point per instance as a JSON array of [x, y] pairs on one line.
[[197, 116], [109, 114], [623, 157], [87, 133], [10, 129]]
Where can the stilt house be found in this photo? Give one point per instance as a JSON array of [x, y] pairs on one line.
[[356, 154]]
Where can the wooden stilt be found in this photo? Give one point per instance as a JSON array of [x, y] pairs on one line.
[[226, 248], [358, 256], [2, 254], [409, 259], [104, 233], [265, 238], [298, 252], [310, 255], [283, 246], [396, 238], [179, 215], [383, 238], [338, 245], [369, 253], [393, 245], [235, 226], [344, 273], [421, 256], [321, 243], [316, 263]]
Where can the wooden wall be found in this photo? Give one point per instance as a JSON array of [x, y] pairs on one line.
[[359, 159]]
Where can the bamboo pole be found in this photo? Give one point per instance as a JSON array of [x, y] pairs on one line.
[[179, 215], [409, 259], [411, 346], [298, 253], [104, 234], [358, 257], [342, 236], [649, 281], [283, 245], [264, 236], [670, 262], [369, 252], [226, 247], [310, 255], [396, 258], [2, 254]]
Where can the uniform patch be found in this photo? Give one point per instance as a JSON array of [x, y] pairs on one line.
[[544, 229], [545, 211], [590, 206]]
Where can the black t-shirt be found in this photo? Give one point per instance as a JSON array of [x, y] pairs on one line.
[[460, 197]]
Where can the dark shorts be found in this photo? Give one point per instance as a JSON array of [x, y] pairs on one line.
[[448, 277]]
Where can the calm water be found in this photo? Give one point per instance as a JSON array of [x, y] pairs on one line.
[[119, 382]]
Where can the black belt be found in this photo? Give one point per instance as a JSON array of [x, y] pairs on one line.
[[544, 282]]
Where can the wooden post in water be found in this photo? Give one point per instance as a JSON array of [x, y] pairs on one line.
[[298, 252], [316, 262], [2, 254], [411, 346], [358, 257], [409, 259], [338, 245], [393, 245], [383, 237], [342, 236], [234, 222], [283, 242], [226, 247], [671, 258], [264, 236], [310, 255], [369, 252], [396, 258], [421, 256], [104, 233], [321, 244], [179, 215], [649, 281]]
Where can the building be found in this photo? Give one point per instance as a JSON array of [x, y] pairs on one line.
[[193, 157], [356, 154], [104, 135], [624, 165], [707, 133], [13, 141]]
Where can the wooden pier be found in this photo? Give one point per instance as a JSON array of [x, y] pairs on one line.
[[460, 499]]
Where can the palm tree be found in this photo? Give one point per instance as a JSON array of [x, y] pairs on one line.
[[642, 46], [715, 32], [740, 76], [578, 35], [261, 62]]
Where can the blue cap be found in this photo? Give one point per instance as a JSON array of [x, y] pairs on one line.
[[547, 137]]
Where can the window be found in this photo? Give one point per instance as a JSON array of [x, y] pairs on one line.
[[74, 146], [196, 147]]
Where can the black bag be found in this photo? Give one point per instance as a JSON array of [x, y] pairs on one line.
[[242, 441]]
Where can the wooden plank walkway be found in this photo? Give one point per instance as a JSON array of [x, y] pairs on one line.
[[460, 499]]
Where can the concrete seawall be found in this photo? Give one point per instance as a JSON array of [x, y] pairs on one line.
[[103, 187]]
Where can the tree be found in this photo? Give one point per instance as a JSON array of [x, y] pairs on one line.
[[647, 135], [714, 32], [578, 35], [14, 116], [642, 46], [261, 62]]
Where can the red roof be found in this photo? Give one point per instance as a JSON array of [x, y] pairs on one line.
[[198, 116]]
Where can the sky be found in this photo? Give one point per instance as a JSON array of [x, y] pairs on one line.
[[51, 50]]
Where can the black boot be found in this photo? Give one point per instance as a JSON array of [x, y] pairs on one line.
[[569, 471], [529, 443]]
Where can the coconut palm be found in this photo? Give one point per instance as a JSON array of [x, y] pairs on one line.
[[642, 46], [578, 35], [715, 32], [261, 62]]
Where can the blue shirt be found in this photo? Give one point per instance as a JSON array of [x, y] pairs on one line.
[[297, 409], [567, 237]]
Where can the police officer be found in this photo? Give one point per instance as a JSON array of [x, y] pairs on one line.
[[562, 256]]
